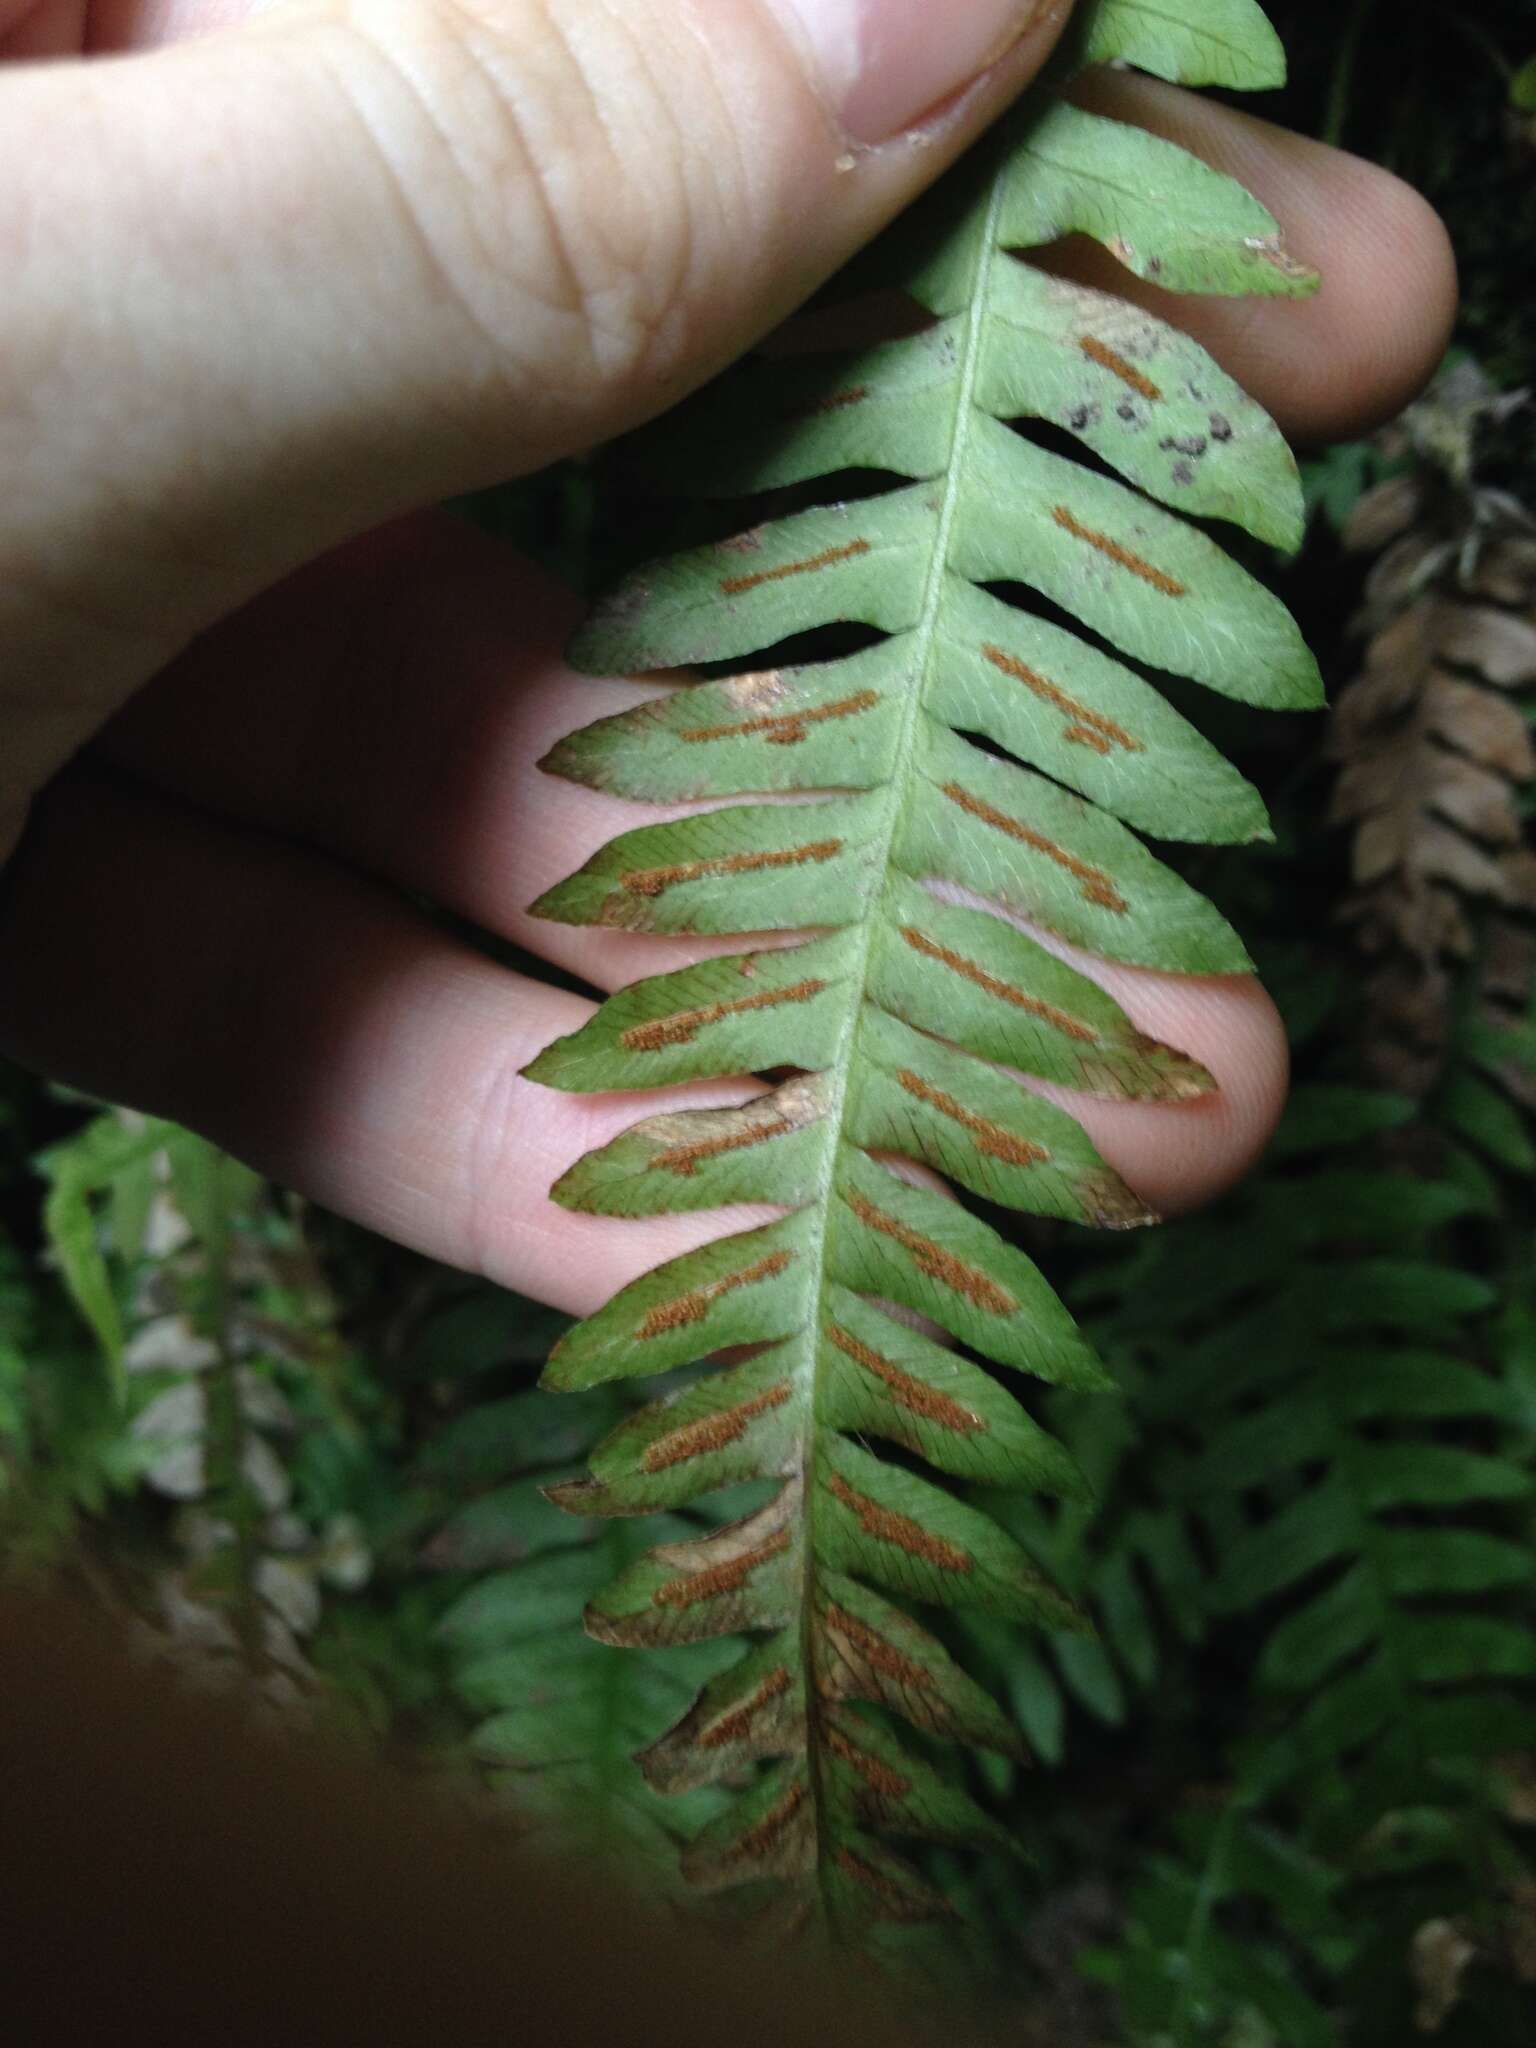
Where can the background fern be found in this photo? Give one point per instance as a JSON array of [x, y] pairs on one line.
[[558, 1719], [1352, 1455]]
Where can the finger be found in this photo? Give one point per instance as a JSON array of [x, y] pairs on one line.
[[1333, 366], [322, 1031], [266, 287], [140, 24], [41, 28], [1389, 274], [1330, 370], [376, 709], [1180, 1156], [316, 1026]]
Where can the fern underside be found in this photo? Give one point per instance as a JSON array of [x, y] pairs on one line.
[[967, 780]]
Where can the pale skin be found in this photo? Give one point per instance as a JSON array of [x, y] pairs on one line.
[[276, 282]]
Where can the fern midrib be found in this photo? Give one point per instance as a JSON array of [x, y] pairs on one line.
[[1213, 1886], [925, 638], [1388, 1606]]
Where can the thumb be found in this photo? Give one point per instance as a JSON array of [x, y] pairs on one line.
[[271, 287]]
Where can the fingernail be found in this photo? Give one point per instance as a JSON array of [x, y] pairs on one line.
[[883, 64]]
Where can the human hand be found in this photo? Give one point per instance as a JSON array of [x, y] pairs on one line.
[[279, 276]]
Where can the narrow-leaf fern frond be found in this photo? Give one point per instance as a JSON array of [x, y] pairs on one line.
[[556, 1717], [1352, 1471], [912, 1021]]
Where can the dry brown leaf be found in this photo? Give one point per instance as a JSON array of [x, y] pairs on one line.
[[1402, 573], [1509, 963], [1520, 879], [1477, 800], [1499, 645], [1433, 751], [1488, 728], [1441, 1955], [1450, 857], [1406, 644], [1506, 571], [1384, 513]]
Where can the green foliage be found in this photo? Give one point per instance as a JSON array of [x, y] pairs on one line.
[[62, 1445], [555, 1719], [1345, 1440], [1320, 1462], [1181, 1976], [898, 1022], [216, 1369], [1323, 1362]]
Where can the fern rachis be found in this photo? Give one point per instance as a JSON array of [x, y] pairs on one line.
[[920, 857]]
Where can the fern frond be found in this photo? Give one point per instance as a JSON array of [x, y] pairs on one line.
[[211, 1325], [1127, 1558], [973, 770], [1182, 1974], [556, 1719], [1356, 1476], [1434, 750]]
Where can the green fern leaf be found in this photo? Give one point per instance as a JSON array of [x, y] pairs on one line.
[[1195, 42], [907, 1023], [555, 1717], [1356, 1472]]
